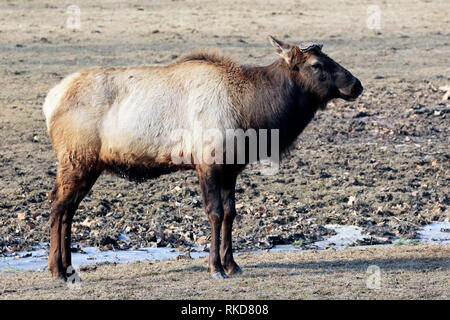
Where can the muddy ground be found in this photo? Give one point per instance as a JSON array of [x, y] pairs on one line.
[[381, 162]]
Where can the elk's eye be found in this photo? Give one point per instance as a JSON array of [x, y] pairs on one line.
[[316, 66]]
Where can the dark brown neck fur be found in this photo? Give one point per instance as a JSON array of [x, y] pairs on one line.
[[277, 101]]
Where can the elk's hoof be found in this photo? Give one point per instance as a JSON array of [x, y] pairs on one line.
[[219, 275], [58, 281], [58, 277], [236, 270]]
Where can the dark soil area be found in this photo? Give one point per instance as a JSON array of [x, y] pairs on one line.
[[381, 162]]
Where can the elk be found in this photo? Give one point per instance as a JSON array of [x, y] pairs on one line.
[[122, 119]]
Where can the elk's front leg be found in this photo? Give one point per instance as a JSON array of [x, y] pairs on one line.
[[210, 181], [229, 207]]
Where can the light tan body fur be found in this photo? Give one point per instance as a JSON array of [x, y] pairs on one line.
[[127, 114]]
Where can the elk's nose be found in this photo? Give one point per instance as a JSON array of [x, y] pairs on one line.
[[357, 88]]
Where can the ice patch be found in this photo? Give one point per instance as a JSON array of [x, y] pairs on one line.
[[284, 247], [436, 232], [37, 260], [345, 236]]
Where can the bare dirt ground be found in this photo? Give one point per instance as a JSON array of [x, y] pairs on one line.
[[381, 163], [407, 272]]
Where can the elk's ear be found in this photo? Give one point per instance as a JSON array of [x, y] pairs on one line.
[[286, 51]]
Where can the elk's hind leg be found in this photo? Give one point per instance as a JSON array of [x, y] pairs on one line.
[[229, 207], [71, 186]]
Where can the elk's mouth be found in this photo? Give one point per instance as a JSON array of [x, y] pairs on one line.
[[348, 97]]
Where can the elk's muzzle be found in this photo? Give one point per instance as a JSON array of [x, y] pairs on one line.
[[353, 91]]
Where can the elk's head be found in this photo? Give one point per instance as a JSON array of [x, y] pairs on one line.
[[317, 72]]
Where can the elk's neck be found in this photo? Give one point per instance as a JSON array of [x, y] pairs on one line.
[[277, 102]]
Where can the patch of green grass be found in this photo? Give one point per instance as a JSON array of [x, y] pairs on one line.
[[298, 243], [406, 242], [9, 269]]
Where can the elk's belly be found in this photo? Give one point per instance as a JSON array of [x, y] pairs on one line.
[[141, 172]]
